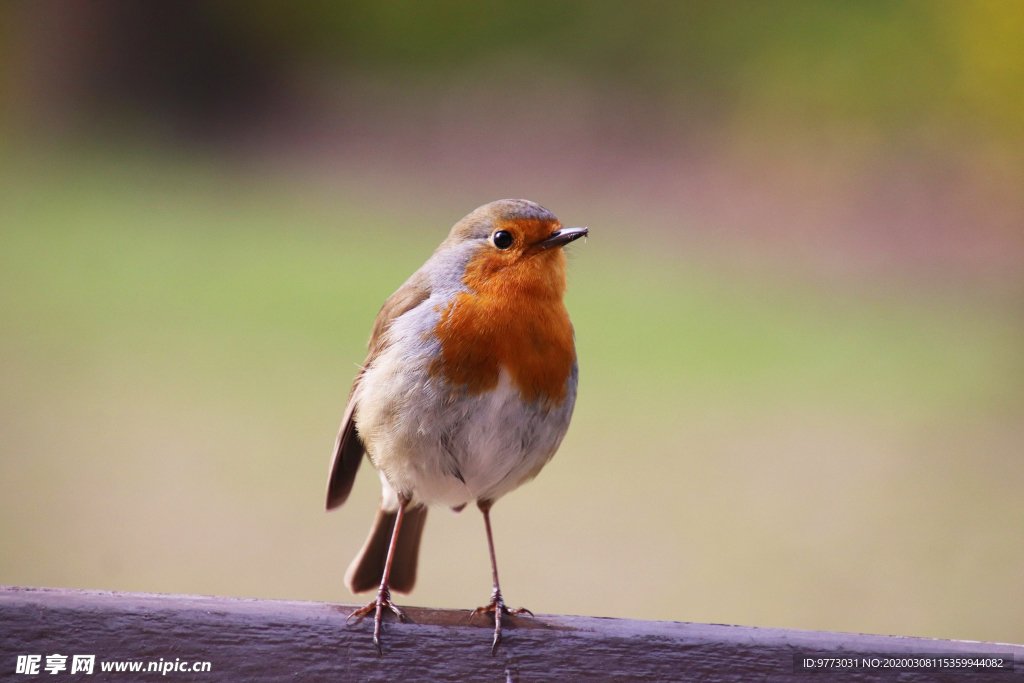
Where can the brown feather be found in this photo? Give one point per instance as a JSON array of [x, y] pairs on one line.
[[348, 454], [407, 297], [367, 569], [348, 449]]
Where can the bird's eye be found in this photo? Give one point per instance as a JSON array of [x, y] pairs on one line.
[[502, 239]]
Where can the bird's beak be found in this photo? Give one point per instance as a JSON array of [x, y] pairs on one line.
[[561, 237]]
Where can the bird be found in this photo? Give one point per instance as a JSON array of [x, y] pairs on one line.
[[466, 391]]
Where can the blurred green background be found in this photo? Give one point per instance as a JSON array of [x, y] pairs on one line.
[[799, 317]]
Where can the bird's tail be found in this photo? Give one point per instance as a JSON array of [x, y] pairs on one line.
[[366, 570]]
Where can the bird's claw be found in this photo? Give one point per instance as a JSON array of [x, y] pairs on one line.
[[377, 607], [498, 607]]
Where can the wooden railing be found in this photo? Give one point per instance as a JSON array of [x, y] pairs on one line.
[[270, 640]]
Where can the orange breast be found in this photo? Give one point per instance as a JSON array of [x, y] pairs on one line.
[[512, 317]]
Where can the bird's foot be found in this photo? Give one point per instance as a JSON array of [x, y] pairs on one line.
[[497, 606], [377, 607]]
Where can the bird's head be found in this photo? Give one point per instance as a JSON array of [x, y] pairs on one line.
[[515, 246]]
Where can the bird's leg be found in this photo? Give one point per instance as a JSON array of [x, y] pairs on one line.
[[497, 603], [384, 592]]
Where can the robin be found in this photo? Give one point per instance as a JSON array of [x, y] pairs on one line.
[[465, 394]]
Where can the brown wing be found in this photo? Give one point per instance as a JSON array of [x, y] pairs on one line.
[[348, 448]]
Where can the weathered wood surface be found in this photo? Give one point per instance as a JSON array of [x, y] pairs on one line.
[[269, 640]]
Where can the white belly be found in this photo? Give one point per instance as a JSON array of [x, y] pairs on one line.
[[439, 445]]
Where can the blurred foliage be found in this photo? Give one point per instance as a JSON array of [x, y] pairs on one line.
[[889, 64], [178, 337], [5, 50], [178, 343]]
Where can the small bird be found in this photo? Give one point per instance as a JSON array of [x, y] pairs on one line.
[[466, 391]]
